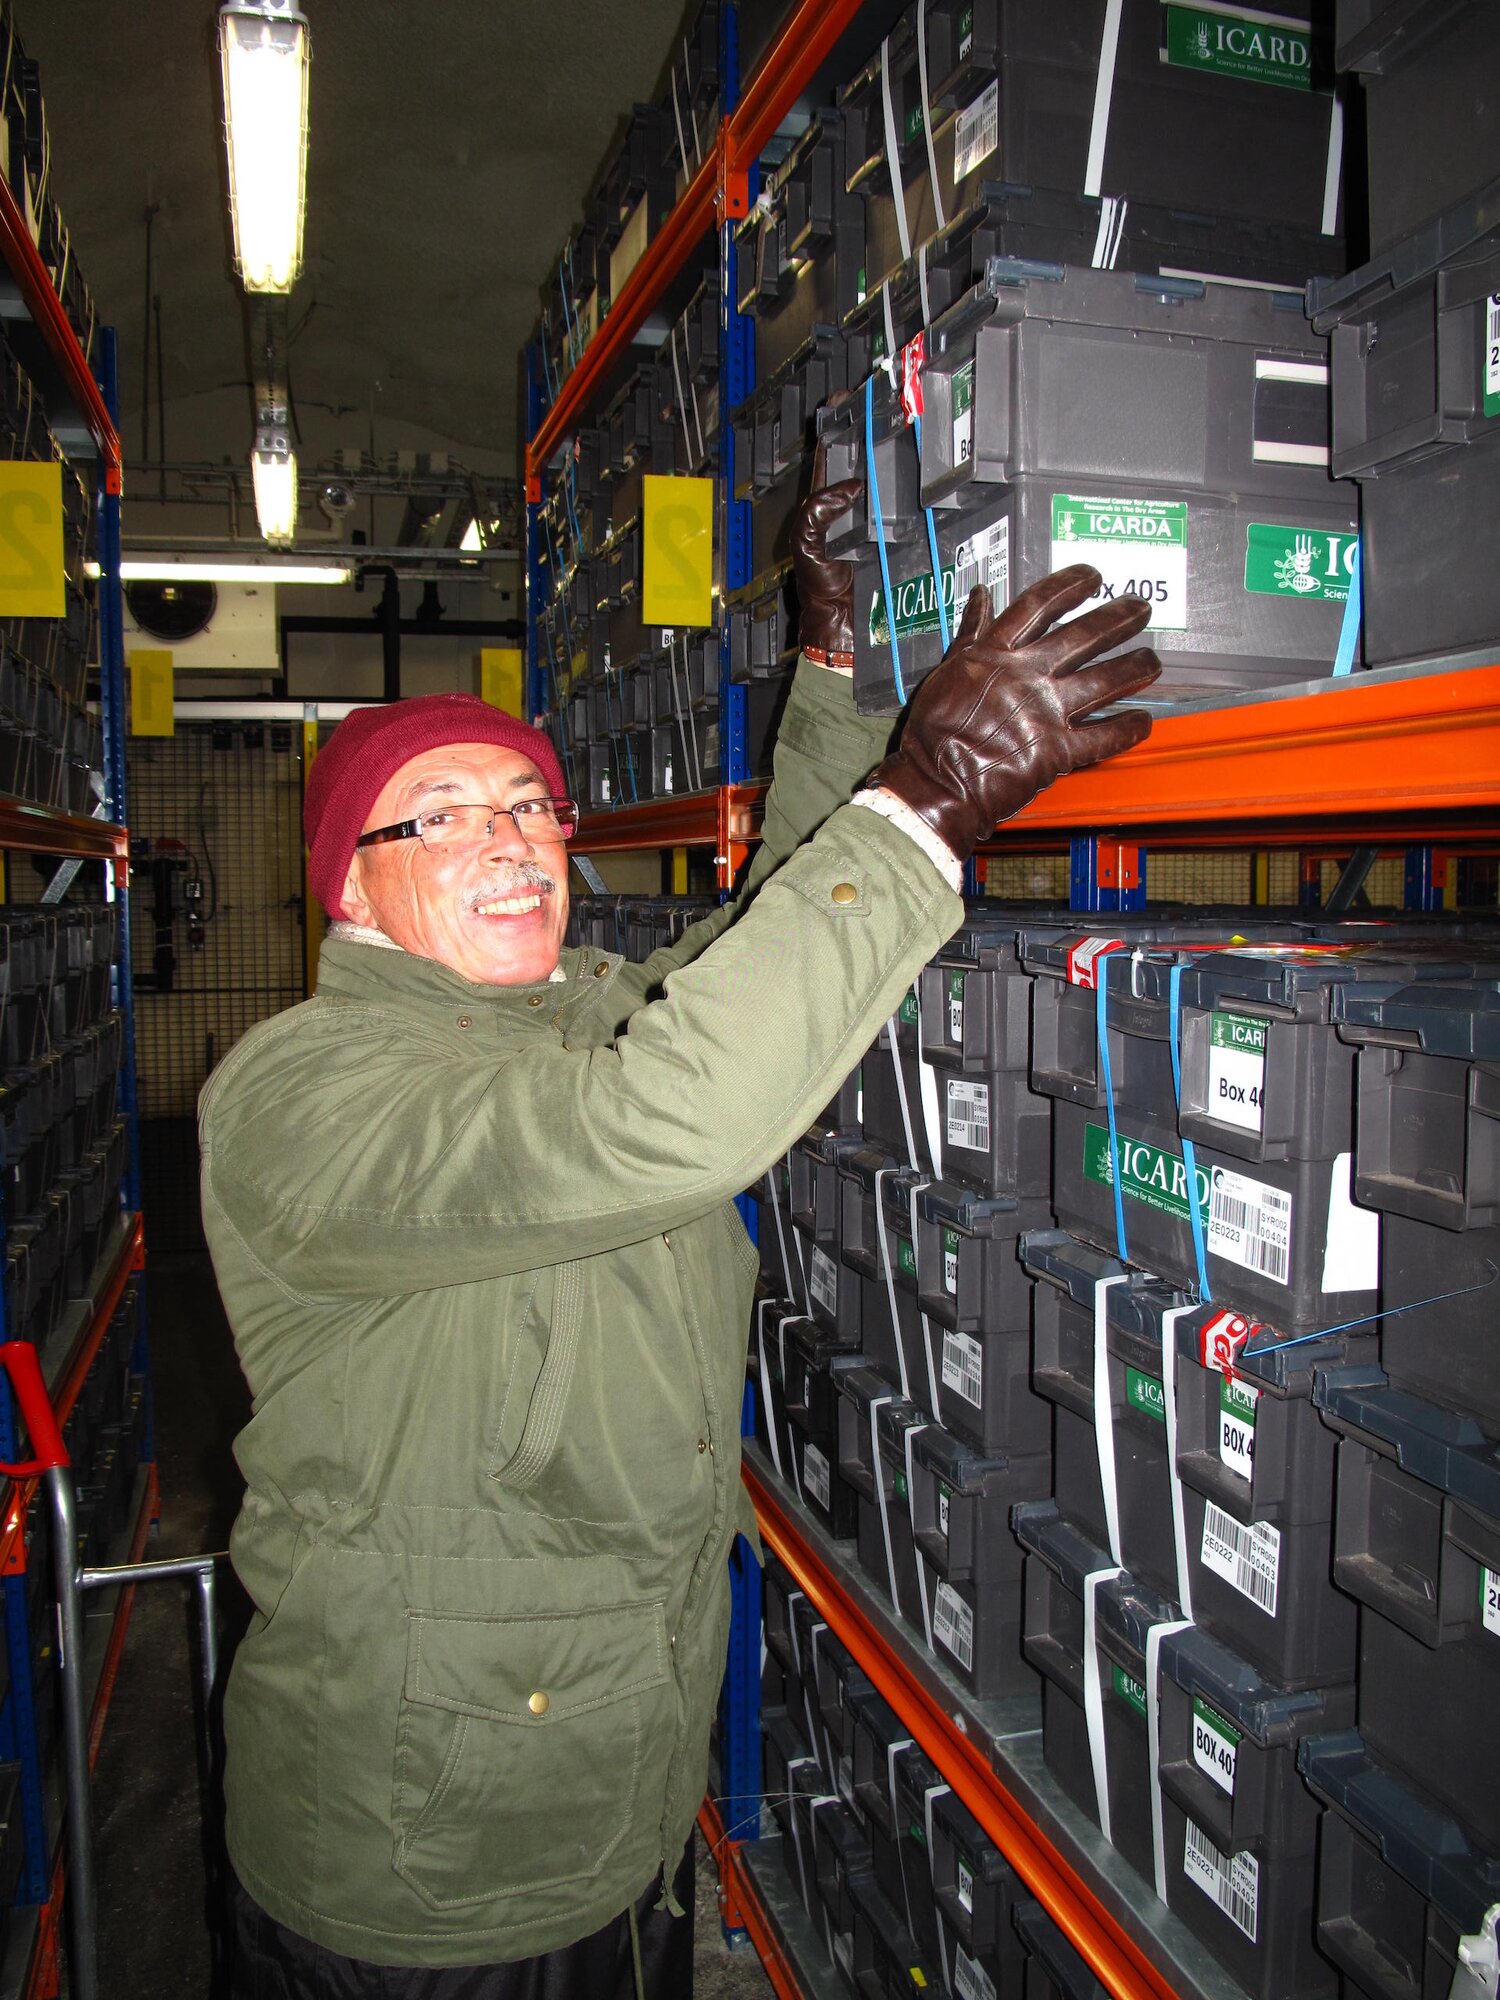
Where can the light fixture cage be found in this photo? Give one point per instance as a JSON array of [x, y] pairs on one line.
[[264, 51]]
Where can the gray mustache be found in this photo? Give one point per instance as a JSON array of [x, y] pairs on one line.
[[525, 879]]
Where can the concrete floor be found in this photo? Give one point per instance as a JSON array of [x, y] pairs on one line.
[[154, 1829]]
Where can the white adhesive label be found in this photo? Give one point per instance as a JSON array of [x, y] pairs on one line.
[[1492, 355], [968, 1114], [1237, 1408], [1236, 1070], [953, 1625], [950, 1262], [815, 1476], [1249, 1558], [1215, 1745], [1138, 546], [984, 558], [944, 1500], [1250, 1224], [1233, 1882], [1083, 960], [970, 1981], [956, 1007], [1351, 1249], [963, 1367], [846, 1780], [1489, 1600], [823, 1280], [977, 132], [964, 1881]]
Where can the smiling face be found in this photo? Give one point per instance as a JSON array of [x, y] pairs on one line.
[[493, 911]]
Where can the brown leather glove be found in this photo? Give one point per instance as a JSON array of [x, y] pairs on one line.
[[825, 588], [1001, 716]]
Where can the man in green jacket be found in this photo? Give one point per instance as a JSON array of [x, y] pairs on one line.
[[471, 1215]]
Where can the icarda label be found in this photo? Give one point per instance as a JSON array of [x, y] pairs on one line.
[[1137, 546], [1253, 46], [916, 605], [1308, 563]]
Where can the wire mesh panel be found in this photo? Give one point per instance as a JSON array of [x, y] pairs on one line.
[[216, 930]]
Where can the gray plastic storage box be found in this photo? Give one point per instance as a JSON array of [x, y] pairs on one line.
[[1431, 119], [977, 1891], [1059, 1560], [1415, 369], [1399, 1884], [762, 630], [800, 253], [968, 1561], [814, 1360], [1428, 1155], [766, 1362], [830, 1289], [841, 1859], [1228, 1765], [869, 1412], [1171, 434], [1419, 1545], [977, 1298], [887, 1959], [1205, 110], [1054, 1970], [1262, 1587]]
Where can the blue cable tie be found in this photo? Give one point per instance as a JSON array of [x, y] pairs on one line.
[[1106, 1077], [885, 567], [1343, 659], [1189, 1151], [1368, 1319]]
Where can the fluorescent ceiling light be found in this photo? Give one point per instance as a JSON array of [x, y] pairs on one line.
[[471, 541], [263, 51], [275, 476], [212, 569]]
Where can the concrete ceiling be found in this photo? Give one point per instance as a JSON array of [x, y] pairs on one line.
[[452, 145]]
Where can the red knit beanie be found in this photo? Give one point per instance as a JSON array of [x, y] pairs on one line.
[[370, 745]]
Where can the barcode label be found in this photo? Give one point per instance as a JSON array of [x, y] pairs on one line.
[[1250, 1224], [984, 558], [823, 1280], [1249, 1558], [970, 1981], [968, 1115], [963, 1367], [1489, 1600], [815, 1477], [953, 1624], [1232, 1881], [977, 132]]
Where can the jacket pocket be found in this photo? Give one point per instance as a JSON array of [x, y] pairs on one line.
[[545, 1347], [528, 1748]]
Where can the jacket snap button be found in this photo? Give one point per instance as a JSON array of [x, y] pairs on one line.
[[533, 1000], [703, 1444], [465, 1021], [539, 1703], [601, 968], [844, 892]]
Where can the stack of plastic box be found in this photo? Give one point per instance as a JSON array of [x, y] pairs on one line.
[[1416, 331], [1410, 1861]]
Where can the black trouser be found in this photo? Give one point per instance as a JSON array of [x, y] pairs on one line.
[[270, 1962]]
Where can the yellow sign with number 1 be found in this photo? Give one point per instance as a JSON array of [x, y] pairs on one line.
[[31, 541], [677, 564]]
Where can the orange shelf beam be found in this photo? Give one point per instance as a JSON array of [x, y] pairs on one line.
[[24, 261], [1356, 751], [1117, 1960], [42, 830]]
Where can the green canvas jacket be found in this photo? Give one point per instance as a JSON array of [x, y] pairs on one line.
[[478, 1250]]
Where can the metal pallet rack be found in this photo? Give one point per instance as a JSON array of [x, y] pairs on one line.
[[1406, 758], [82, 415]]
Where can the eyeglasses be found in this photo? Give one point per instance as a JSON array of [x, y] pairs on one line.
[[535, 820]]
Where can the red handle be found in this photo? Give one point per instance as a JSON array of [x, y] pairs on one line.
[[18, 1358]]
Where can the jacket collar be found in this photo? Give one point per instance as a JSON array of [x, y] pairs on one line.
[[350, 969]]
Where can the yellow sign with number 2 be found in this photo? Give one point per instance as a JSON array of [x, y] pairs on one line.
[[677, 572], [31, 541]]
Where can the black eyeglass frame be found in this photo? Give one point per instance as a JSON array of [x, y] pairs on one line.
[[411, 829]]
